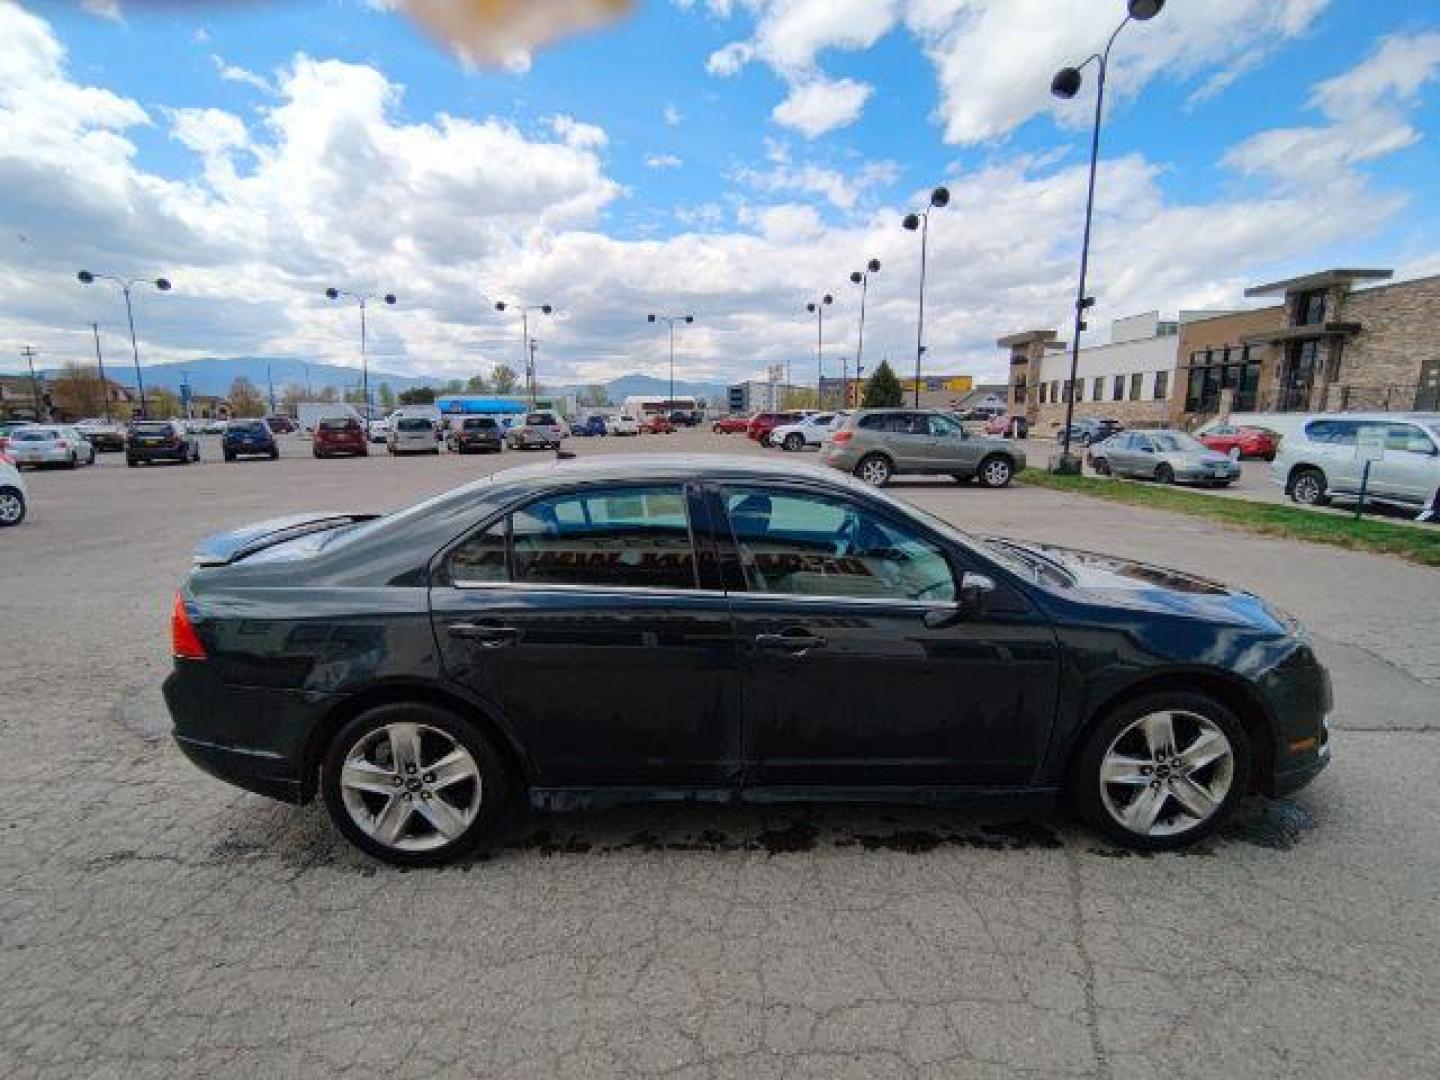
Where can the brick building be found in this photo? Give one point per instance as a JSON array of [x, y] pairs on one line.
[[1327, 346]]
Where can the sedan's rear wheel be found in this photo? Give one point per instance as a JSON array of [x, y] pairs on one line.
[[12, 506], [996, 472], [1164, 474], [794, 441], [874, 470], [1162, 771], [414, 784], [1101, 466]]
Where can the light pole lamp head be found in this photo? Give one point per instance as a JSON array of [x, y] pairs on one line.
[[333, 293], [651, 318], [857, 277], [389, 298], [873, 266], [1066, 83], [689, 318], [547, 309], [810, 308], [940, 197], [86, 277], [163, 284], [911, 222], [499, 305], [1141, 10], [829, 299]]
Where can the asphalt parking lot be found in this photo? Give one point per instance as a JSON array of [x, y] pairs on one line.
[[158, 923]]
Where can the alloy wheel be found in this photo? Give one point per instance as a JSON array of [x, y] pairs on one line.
[[12, 507], [1308, 489], [411, 787], [874, 471], [996, 473], [1167, 773]]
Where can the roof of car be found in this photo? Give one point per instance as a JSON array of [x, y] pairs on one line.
[[666, 466]]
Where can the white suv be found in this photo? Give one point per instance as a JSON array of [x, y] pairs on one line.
[[810, 431], [12, 493], [1321, 461]]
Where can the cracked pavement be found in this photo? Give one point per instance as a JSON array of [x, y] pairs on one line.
[[155, 922]]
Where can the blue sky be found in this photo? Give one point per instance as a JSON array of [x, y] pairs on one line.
[[662, 176]]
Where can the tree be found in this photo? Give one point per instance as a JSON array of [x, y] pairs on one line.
[[504, 379], [78, 391], [882, 391], [419, 395], [244, 398], [387, 397], [327, 393], [594, 395], [798, 397], [477, 385], [161, 403], [454, 386], [290, 398]]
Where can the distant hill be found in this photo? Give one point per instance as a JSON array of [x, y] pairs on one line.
[[213, 375]]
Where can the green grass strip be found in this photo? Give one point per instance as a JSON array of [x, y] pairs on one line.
[[1418, 545]]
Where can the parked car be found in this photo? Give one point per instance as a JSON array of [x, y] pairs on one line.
[[412, 435], [878, 444], [213, 426], [1008, 425], [684, 417], [925, 662], [49, 444], [102, 434], [624, 424], [1251, 442], [591, 425], [1090, 430], [150, 441], [541, 430], [339, 435], [8, 428], [657, 424], [810, 431], [731, 425], [481, 434], [281, 424], [763, 423], [14, 498], [249, 438], [981, 414], [378, 431], [1167, 457], [1321, 462]]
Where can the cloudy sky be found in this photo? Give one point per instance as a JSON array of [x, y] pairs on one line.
[[730, 158]]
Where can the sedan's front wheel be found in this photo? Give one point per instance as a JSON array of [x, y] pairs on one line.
[[1162, 771], [874, 470], [414, 784], [12, 506]]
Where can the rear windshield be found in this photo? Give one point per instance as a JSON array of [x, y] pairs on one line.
[[35, 435], [337, 425], [151, 429], [480, 425], [248, 427], [540, 419], [414, 424]]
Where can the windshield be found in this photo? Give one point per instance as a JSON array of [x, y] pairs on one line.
[[479, 425], [540, 419], [415, 424], [1176, 442], [248, 427], [35, 435], [337, 425], [152, 429]]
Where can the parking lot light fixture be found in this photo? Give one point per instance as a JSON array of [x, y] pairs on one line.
[[672, 320], [527, 353], [362, 298], [817, 308], [939, 199], [861, 278], [1065, 85], [160, 284]]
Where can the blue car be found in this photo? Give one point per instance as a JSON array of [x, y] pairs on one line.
[[590, 425], [249, 438]]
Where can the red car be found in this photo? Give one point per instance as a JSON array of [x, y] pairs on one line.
[[340, 435], [731, 425], [1252, 442], [1010, 426], [657, 424], [762, 424]]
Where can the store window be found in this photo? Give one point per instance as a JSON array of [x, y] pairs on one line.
[[1162, 385], [1136, 382], [1117, 392]]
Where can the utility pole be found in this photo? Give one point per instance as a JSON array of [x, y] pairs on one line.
[[270, 382], [185, 397], [29, 354], [100, 362], [530, 369]]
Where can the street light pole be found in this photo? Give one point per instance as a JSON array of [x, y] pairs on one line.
[[861, 278], [1066, 84], [939, 198], [362, 298], [126, 284], [818, 309], [671, 320], [527, 354], [100, 362], [35, 395]]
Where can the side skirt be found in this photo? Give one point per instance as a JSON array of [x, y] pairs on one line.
[[555, 799]]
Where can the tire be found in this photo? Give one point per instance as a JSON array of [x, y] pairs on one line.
[[1125, 735], [794, 442], [765, 440], [1164, 474], [229, 456], [1307, 487], [996, 471], [1101, 466], [12, 507], [317, 454], [875, 470], [131, 462], [74, 462], [436, 451], [274, 455], [478, 803]]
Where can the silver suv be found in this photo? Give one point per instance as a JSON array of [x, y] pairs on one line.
[[880, 443], [1325, 459]]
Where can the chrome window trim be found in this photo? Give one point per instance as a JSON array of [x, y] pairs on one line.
[[683, 594]]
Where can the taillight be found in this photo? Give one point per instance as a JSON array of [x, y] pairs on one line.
[[6, 459], [184, 642], [61, 444], [842, 436]]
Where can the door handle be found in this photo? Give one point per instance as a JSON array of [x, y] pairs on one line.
[[488, 637], [793, 644]]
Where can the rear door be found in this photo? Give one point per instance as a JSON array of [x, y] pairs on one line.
[[950, 450], [1410, 468], [1120, 454], [582, 619], [845, 684]]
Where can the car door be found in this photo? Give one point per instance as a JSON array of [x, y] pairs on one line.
[[579, 619], [850, 678], [950, 450], [1120, 453], [1410, 469], [907, 439]]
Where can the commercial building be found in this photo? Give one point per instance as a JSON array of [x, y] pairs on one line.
[[1130, 378], [1328, 346]]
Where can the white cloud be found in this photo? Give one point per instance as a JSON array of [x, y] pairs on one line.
[[820, 106], [105, 9], [673, 115], [837, 188], [663, 161], [232, 73], [579, 135], [201, 36], [730, 59]]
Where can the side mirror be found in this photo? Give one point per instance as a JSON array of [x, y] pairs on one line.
[[975, 590]]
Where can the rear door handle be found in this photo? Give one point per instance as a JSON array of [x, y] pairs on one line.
[[793, 644], [489, 637]]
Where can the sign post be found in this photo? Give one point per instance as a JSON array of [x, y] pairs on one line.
[[1369, 448]]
